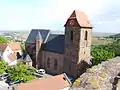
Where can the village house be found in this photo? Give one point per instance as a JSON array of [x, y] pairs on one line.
[[59, 82], [10, 52], [57, 53]]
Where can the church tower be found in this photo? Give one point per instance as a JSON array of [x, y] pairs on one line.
[[78, 35], [38, 46]]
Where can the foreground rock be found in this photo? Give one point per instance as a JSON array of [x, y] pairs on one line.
[[100, 77]]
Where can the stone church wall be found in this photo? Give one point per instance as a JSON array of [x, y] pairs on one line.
[[52, 56]]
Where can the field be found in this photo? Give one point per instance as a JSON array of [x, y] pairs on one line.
[[96, 41]]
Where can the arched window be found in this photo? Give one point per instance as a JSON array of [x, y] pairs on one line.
[[71, 35], [48, 63], [86, 35], [55, 64]]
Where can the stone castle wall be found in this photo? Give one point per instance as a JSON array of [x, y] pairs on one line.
[[100, 77]]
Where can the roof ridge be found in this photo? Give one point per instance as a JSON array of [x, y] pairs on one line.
[[47, 37]]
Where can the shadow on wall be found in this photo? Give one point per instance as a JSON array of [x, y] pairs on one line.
[[82, 67], [115, 82]]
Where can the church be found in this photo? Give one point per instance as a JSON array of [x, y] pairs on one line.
[[58, 53]]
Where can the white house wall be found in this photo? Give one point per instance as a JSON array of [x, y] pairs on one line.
[[7, 52]]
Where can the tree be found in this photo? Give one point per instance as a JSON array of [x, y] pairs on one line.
[[101, 55], [3, 40], [21, 72], [3, 66]]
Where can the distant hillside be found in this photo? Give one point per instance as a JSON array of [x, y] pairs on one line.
[[101, 34], [114, 36], [94, 34]]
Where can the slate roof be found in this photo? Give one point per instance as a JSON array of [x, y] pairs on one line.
[[38, 37], [51, 42], [27, 58], [32, 36], [55, 43]]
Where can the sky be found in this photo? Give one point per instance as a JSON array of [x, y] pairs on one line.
[[52, 14]]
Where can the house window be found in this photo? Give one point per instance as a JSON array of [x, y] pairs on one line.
[[86, 34], [48, 63], [55, 64], [71, 35]]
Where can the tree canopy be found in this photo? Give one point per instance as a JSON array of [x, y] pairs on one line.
[[21, 72], [3, 40], [104, 52], [3, 66], [101, 55]]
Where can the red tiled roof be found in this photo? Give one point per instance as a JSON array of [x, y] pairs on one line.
[[14, 46], [3, 46], [50, 83], [81, 18]]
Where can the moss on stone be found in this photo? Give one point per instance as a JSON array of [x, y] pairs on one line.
[[89, 70], [94, 82], [103, 75], [77, 81]]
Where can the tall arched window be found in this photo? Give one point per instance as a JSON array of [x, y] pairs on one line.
[[55, 64], [48, 63], [71, 35], [86, 35]]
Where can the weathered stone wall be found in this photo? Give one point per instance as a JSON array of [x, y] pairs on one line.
[[52, 56], [100, 77], [71, 50], [85, 45], [77, 49]]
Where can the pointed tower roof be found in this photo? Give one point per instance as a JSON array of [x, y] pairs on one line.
[[38, 37], [81, 18], [28, 59]]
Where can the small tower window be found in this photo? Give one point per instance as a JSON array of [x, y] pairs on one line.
[[48, 63], [55, 64], [71, 35], [86, 34]]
